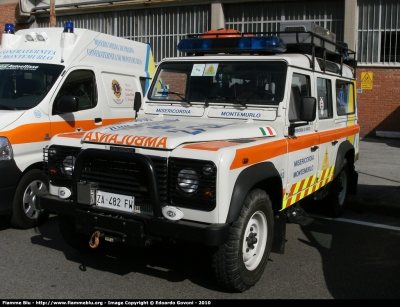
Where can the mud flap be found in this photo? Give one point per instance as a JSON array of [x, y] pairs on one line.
[[279, 239], [353, 182]]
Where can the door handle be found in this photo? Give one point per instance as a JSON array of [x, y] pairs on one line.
[[314, 148], [98, 120], [334, 142]]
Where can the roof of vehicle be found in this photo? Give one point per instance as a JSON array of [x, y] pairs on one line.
[[291, 45]]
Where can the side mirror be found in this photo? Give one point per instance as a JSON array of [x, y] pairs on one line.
[[67, 104], [308, 113], [137, 103], [308, 109]]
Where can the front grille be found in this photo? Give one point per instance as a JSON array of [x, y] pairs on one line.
[[121, 176], [124, 173]]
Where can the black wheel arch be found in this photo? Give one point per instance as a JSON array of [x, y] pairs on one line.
[[36, 165], [262, 175], [346, 151]]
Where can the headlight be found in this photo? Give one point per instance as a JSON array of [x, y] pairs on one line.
[[52, 152], [68, 165], [6, 152], [188, 180]]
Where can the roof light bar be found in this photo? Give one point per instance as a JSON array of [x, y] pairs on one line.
[[9, 28], [69, 27], [271, 44]]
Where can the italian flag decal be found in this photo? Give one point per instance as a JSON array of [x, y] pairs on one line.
[[267, 131]]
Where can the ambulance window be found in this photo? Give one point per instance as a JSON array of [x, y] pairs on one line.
[[324, 93], [345, 97], [24, 86], [81, 84], [300, 88]]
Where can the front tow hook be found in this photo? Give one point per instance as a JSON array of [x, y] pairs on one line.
[[95, 239]]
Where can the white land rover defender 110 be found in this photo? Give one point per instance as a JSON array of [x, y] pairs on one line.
[[226, 144]]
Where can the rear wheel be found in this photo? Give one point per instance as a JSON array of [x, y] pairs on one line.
[[337, 197], [25, 214], [239, 263]]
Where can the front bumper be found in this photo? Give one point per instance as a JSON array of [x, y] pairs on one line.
[[134, 228]]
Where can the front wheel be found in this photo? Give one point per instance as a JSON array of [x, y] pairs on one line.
[[25, 214], [239, 263], [338, 192]]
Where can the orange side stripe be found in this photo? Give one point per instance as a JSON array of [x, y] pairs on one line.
[[212, 146], [259, 153], [302, 142], [74, 135], [332, 135], [40, 132], [29, 133]]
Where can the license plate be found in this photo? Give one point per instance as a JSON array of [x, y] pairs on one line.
[[115, 201]]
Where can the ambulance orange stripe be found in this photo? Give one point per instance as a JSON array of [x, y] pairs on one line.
[[75, 135], [304, 141], [259, 153], [212, 146], [332, 135], [29, 133], [40, 132]]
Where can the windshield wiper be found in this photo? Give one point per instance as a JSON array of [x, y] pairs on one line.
[[225, 98], [7, 107], [180, 95]]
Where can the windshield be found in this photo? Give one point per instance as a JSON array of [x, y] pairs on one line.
[[23, 86], [225, 82]]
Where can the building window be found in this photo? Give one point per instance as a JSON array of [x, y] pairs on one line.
[[390, 52], [378, 32], [267, 15]]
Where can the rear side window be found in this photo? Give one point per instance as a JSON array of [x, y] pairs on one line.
[[345, 97], [324, 92]]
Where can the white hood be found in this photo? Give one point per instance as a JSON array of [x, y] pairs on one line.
[[8, 117], [168, 133]]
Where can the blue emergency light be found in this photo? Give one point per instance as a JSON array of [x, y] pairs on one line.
[[69, 27], [9, 28], [270, 44]]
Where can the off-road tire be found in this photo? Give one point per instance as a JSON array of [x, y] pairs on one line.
[[25, 215], [239, 263], [76, 240], [336, 200]]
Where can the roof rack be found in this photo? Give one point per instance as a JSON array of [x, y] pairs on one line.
[[321, 46]]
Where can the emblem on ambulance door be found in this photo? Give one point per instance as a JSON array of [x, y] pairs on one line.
[[116, 87], [321, 105]]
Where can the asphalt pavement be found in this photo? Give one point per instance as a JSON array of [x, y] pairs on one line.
[[378, 170]]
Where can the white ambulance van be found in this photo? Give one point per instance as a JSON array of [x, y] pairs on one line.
[[229, 143], [56, 80]]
